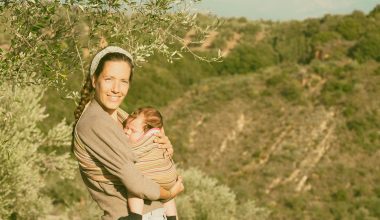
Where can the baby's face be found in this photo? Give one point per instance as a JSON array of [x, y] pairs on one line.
[[135, 129]]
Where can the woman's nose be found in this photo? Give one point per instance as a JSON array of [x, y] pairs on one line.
[[116, 87]]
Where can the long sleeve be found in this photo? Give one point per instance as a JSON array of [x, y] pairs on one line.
[[106, 142]]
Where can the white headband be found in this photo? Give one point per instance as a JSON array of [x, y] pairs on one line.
[[105, 51]]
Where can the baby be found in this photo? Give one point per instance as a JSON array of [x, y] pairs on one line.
[[140, 127]]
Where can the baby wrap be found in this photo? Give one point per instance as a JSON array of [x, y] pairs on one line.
[[151, 161]]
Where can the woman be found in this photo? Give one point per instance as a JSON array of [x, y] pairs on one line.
[[106, 162]]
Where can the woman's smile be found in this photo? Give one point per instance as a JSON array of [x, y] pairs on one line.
[[112, 85], [114, 98]]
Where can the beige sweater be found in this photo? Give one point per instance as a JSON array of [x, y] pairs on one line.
[[107, 166]]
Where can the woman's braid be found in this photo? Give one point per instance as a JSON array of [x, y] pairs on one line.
[[85, 96]]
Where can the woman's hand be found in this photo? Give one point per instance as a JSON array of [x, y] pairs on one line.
[[177, 188], [164, 143]]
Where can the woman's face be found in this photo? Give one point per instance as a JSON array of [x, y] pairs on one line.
[[112, 85]]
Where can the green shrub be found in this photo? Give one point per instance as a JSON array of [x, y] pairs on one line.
[[312, 27], [373, 205], [286, 86], [291, 43], [324, 37], [245, 58], [291, 92], [367, 48], [352, 27], [339, 195], [250, 29], [375, 12], [23, 165], [337, 91], [206, 199]]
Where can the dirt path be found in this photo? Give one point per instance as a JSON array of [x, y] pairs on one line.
[[299, 176], [231, 44], [209, 40], [259, 37], [188, 37], [234, 133]]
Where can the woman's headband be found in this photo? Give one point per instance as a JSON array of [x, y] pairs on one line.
[[105, 51]]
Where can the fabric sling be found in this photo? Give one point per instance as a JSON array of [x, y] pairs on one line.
[[152, 162]]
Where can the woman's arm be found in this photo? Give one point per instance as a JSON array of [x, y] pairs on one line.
[[136, 204]]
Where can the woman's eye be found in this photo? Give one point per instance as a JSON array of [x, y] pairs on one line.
[[125, 82]]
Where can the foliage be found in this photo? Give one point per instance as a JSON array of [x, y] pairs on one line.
[[367, 48], [352, 27], [23, 165], [291, 43], [48, 44], [375, 12], [205, 199], [324, 37], [313, 27], [51, 36], [245, 58], [285, 85]]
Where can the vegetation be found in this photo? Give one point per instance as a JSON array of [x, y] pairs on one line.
[[289, 121], [204, 198], [24, 167]]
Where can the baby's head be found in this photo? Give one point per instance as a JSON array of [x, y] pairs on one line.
[[141, 121]]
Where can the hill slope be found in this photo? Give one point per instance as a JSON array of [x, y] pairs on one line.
[[270, 136]]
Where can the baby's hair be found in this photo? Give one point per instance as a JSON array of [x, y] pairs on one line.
[[152, 117]]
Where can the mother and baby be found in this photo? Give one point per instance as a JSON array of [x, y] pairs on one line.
[[124, 160]]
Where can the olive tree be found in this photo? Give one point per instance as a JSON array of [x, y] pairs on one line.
[[45, 43]]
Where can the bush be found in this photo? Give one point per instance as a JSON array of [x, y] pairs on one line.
[[245, 58], [352, 27], [285, 86], [291, 43], [324, 37], [291, 92], [367, 48], [337, 91], [375, 12], [205, 199], [23, 166]]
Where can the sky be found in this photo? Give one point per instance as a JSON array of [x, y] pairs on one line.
[[284, 9]]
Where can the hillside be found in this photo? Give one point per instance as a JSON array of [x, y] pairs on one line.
[[290, 118], [279, 143]]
